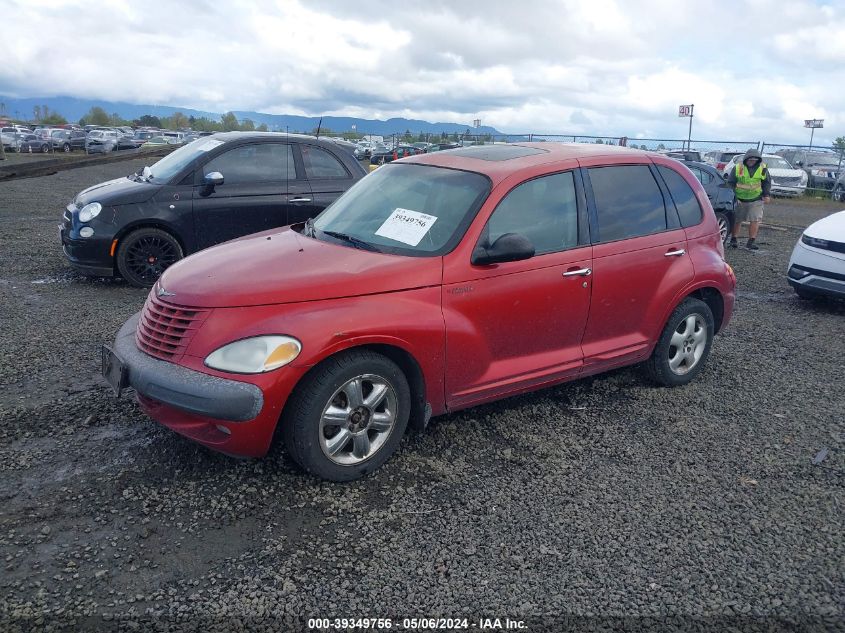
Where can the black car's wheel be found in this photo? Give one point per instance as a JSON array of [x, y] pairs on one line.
[[724, 225], [66, 148], [29, 148], [146, 253], [684, 345], [839, 193], [45, 148], [348, 416]]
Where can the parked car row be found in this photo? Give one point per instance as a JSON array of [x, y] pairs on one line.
[[92, 139]]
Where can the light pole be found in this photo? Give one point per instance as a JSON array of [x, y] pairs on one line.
[[813, 124]]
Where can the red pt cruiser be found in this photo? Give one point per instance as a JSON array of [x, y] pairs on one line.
[[438, 282]]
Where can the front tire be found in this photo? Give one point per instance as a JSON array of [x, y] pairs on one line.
[[348, 416], [839, 193], [683, 346], [66, 148], [45, 148], [143, 255]]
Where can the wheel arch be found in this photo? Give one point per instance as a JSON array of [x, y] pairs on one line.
[[420, 408], [714, 300]]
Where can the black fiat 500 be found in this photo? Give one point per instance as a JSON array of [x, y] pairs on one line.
[[212, 190]]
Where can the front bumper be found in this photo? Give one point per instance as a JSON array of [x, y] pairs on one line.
[[90, 256], [230, 416], [786, 191], [817, 271]]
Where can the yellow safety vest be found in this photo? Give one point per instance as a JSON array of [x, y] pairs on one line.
[[749, 186]]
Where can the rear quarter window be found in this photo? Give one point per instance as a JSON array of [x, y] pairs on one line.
[[684, 197], [628, 200]]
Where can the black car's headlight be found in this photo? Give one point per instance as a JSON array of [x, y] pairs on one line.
[[90, 211]]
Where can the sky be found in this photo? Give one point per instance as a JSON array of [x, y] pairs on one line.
[[754, 69]]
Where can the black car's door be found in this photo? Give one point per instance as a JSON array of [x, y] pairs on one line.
[[258, 178], [327, 177]]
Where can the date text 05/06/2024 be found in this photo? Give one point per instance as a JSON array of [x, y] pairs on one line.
[[416, 624]]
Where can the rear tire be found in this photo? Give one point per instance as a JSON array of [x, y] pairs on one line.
[[839, 193], [683, 346], [144, 254], [348, 416], [45, 148]]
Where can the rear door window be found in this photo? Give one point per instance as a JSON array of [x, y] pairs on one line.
[[321, 164], [628, 201], [682, 194]]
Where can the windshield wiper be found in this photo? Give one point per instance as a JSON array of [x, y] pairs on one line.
[[352, 240]]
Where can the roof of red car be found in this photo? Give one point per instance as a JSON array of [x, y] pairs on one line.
[[500, 160]]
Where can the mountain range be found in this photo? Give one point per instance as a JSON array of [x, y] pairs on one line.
[[74, 109]]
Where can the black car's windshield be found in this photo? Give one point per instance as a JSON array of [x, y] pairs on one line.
[[172, 164], [822, 159], [406, 209]]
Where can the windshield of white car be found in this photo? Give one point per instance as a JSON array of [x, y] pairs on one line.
[[406, 209], [776, 162]]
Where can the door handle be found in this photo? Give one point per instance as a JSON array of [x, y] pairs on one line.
[[581, 272], [676, 253], [300, 200]]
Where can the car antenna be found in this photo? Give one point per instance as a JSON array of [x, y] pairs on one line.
[[319, 125]]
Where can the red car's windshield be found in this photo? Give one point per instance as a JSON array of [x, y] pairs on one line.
[[406, 209]]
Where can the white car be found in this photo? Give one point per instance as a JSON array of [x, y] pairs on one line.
[[817, 265], [787, 181]]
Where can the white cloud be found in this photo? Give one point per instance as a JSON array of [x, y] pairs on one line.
[[567, 66]]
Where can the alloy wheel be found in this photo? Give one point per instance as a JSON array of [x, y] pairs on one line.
[[687, 344], [149, 256], [358, 419]]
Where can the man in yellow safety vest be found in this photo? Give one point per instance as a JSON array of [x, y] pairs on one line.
[[752, 184]]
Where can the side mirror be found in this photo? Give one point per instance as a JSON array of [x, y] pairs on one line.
[[800, 163], [212, 179], [510, 247]]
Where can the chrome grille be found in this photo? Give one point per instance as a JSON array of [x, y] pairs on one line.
[[165, 330], [791, 181]]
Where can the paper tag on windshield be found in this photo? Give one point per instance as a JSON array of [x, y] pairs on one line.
[[406, 226], [208, 145]]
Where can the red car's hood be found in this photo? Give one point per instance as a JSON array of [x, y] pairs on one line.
[[283, 266]]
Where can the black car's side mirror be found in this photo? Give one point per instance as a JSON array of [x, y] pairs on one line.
[[212, 179], [510, 247]]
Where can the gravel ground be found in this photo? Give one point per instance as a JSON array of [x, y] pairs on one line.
[[701, 507]]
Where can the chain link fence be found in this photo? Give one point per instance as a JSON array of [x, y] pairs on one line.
[[823, 167]]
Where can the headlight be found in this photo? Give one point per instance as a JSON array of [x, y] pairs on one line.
[[90, 211], [815, 241], [803, 177], [255, 355]]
